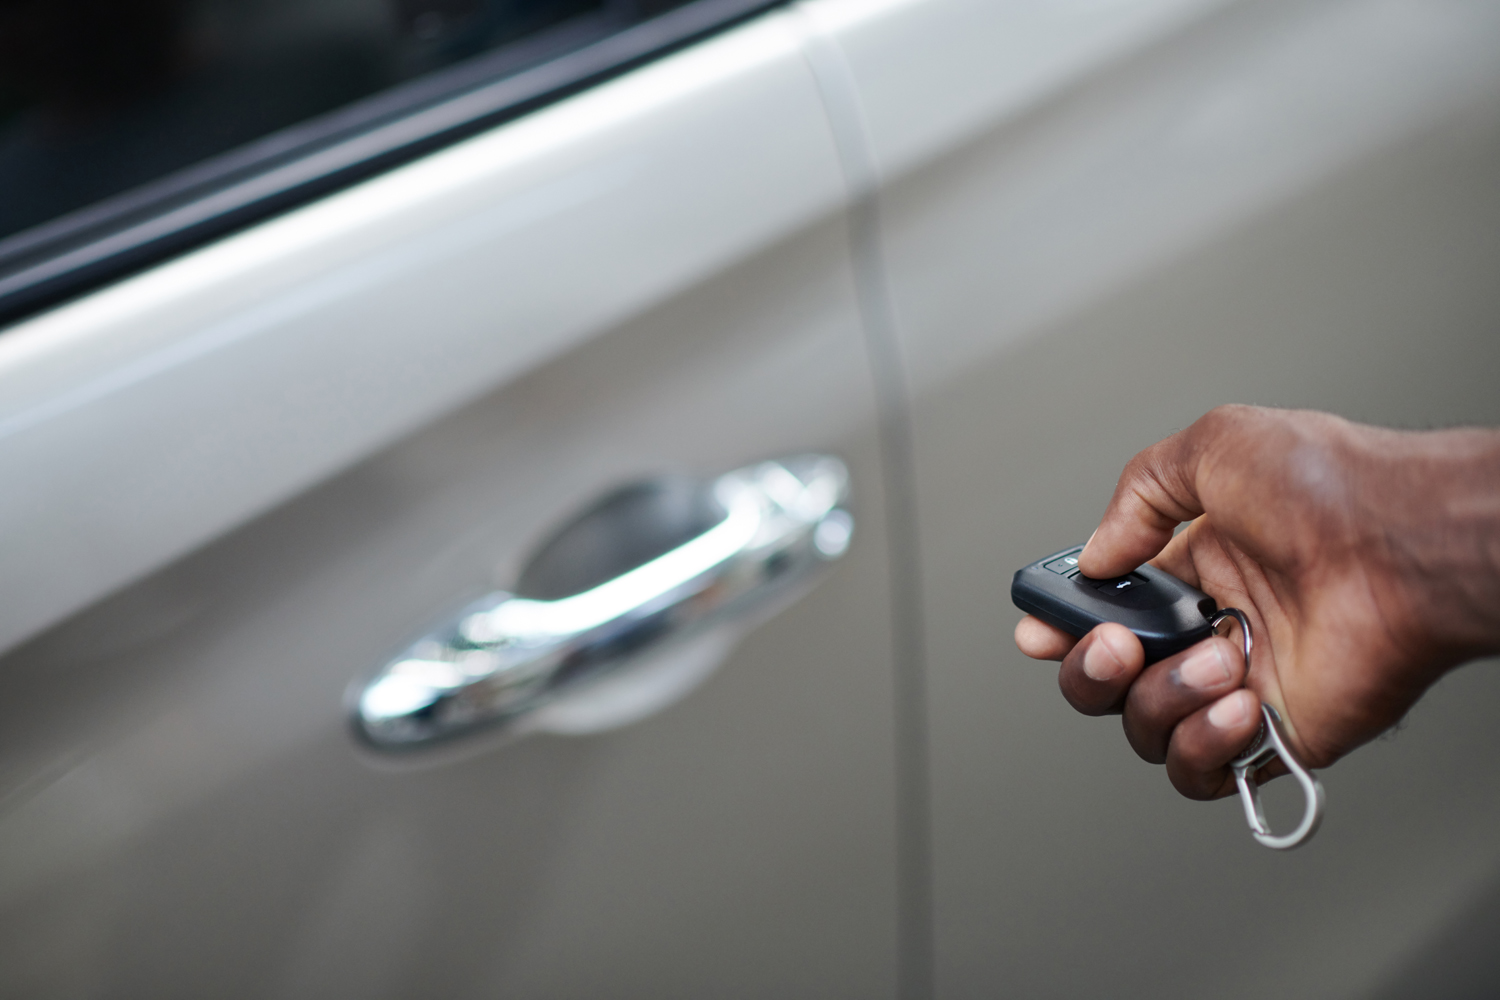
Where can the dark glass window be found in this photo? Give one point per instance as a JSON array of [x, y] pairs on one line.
[[120, 118]]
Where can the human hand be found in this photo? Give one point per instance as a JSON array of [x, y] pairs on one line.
[[1367, 560]]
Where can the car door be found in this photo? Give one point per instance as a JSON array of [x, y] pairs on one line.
[[241, 478], [1099, 220]]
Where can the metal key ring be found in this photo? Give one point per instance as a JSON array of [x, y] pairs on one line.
[[1269, 743]]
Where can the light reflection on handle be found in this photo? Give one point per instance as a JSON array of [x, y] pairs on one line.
[[505, 656]]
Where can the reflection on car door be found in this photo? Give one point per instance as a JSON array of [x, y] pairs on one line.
[[243, 480]]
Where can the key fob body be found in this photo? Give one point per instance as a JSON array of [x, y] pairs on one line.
[[1166, 614]]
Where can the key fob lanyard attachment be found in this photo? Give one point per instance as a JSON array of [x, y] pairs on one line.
[[1168, 616], [1269, 744]]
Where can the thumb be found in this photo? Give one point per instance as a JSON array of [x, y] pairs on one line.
[[1157, 491]]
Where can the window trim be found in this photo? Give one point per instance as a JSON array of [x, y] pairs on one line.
[[102, 243], [160, 413]]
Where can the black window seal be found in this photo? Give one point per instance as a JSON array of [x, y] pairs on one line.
[[62, 260]]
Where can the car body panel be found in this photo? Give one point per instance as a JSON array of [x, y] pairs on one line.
[[441, 367], [1290, 204], [983, 251]]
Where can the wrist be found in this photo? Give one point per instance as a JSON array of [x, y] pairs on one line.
[[1440, 529]]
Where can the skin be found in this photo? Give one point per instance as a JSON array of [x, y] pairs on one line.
[[1367, 560]]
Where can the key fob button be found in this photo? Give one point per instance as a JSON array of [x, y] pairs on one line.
[[1131, 591], [1118, 584], [1065, 565]]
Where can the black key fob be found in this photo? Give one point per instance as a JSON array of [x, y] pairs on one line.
[[1166, 614]]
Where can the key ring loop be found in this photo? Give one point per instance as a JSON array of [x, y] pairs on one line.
[[1270, 743]]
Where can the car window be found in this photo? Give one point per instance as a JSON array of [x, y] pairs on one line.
[[131, 129]]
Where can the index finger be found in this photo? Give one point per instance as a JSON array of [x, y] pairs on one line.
[[1158, 490]]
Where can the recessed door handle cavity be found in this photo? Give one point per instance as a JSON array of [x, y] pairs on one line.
[[505, 655]]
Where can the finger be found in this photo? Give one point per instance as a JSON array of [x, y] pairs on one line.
[[1157, 491], [1205, 742], [1171, 690], [1098, 672], [1276, 769], [1041, 641]]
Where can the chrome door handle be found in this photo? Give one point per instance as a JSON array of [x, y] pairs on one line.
[[504, 655]]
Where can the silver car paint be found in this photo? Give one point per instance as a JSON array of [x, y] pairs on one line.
[[186, 812], [1095, 226], [1286, 203]]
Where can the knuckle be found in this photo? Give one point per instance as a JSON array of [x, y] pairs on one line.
[[1195, 778], [1226, 418], [1144, 736], [1150, 707], [1086, 698], [1077, 690], [1200, 786]]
